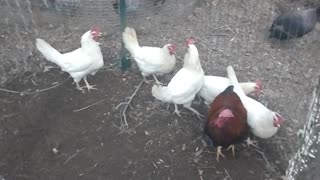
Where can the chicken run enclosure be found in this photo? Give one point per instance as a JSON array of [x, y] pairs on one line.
[[50, 130]]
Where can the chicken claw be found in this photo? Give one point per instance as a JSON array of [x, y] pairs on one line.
[[232, 148], [200, 116], [88, 85], [253, 143], [79, 87], [219, 153]]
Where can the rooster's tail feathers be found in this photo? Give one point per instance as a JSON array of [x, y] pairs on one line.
[[130, 39], [161, 92], [47, 50]]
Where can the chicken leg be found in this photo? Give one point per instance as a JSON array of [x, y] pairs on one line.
[[157, 81], [232, 148], [87, 84], [176, 110], [145, 79], [219, 153]]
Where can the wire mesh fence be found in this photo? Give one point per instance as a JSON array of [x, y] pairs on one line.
[[62, 22], [225, 26]]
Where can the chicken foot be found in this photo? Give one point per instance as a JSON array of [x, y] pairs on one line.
[[149, 81], [176, 110], [79, 87], [195, 112], [219, 153], [88, 85], [251, 142]]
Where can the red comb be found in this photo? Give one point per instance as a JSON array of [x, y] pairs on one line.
[[259, 84], [173, 46], [96, 29], [190, 40]]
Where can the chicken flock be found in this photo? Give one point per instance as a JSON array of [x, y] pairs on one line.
[[232, 112]]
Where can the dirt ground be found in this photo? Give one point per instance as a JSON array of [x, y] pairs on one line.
[[50, 134]]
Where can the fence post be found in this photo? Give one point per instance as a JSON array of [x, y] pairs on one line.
[[305, 162], [125, 64]]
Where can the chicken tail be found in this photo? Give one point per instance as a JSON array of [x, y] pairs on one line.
[[234, 81], [161, 92], [48, 51], [130, 40]]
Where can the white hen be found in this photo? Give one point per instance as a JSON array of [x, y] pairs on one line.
[[263, 122], [79, 63], [151, 60], [214, 85], [185, 84]]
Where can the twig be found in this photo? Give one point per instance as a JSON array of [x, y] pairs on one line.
[[125, 105], [27, 92], [73, 155], [111, 65], [214, 50], [265, 159], [228, 175], [293, 57], [140, 123], [77, 110]]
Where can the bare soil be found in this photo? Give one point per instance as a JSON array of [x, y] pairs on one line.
[[47, 134]]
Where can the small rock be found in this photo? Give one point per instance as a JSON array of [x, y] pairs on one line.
[[54, 150], [184, 147], [198, 153]]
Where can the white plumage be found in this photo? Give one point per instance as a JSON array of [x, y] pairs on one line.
[[151, 60], [214, 85], [263, 122], [185, 84], [79, 63]]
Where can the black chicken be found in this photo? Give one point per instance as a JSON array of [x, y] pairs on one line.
[[295, 24]]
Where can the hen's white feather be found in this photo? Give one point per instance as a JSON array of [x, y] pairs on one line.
[[150, 60], [214, 85], [260, 118], [79, 63], [185, 84]]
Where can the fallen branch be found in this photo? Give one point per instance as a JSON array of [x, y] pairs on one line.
[[111, 65], [77, 110], [124, 105], [28, 92], [266, 160], [74, 155]]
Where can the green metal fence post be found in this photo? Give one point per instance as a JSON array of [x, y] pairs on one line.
[[125, 63]]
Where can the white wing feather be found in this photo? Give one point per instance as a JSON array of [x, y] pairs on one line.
[[260, 118]]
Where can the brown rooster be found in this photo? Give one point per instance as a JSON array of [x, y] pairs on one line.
[[227, 121]]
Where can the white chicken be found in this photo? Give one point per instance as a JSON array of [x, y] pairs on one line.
[[151, 60], [263, 122], [185, 84], [79, 63], [214, 85]]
